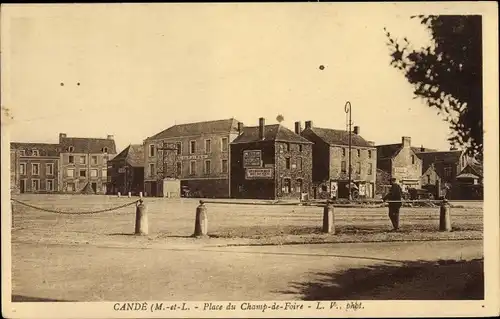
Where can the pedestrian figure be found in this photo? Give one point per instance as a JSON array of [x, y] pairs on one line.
[[394, 197]]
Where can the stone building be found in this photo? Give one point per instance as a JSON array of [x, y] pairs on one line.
[[197, 154], [126, 171], [401, 162], [270, 162], [34, 167], [84, 161], [330, 162]]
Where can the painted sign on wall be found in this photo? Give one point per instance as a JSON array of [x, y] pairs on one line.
[[193, 157], [259, 173], [252, 158]]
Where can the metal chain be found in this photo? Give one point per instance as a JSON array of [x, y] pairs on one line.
[[76, 213]]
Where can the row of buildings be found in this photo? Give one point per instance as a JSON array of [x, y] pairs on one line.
[[225, 158]]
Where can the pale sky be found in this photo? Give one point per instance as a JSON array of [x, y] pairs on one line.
[[144, 68]]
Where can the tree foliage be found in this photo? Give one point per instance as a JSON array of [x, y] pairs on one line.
[[448, 74]]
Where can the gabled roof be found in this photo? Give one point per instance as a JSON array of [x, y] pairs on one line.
[[199, 128], [338, 137], [132, 154], [87, 145], [274, 132], [439, 157], [388, 151], [44, 149], [474, 168]]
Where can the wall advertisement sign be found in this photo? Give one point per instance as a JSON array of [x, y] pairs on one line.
[[252, 158], [259, 173]]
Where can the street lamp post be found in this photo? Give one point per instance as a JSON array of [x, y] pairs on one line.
[[347, 109]]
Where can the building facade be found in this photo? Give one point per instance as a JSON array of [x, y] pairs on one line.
[[197, 154], [331, 162], [270, 162], [126, 171], [34, 167], [84, 163], [401, 162]]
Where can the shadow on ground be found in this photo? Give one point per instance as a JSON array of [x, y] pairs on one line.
[[412, 280], [19, 298]]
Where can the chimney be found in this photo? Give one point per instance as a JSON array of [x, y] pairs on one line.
[[262, 124], [406, 141], [422, 148], [240, 128], [309, 124], [298, 128], [356, 130], [61, 136], [110, 137]]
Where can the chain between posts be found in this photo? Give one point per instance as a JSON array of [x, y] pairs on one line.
[[77, 213]]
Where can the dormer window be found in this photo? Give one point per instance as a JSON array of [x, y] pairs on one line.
[[22, 153], [71, 149], [104, 149], [35, 153]]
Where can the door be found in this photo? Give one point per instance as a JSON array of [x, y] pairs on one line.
[[22, 186], [94, 187]]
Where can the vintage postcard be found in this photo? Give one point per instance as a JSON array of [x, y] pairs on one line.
[[238, 160]]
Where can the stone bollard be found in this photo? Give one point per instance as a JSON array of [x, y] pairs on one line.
[[328, 219], [119, 194], [129, 194], [141, 219], [444, 216], [201, 221]]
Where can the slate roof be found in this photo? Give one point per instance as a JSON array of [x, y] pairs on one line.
[[44, 149], [440, 157], [274, 132], [420, 150], [339, 137], [199, 128], [387, 151], [132, 154], [87, 145]]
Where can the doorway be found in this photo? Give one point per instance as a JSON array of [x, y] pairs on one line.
[[22, 186], [94, 187]]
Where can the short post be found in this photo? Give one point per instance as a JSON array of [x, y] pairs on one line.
[[140, 194], [129, 194], [119, 194], [141, 219], [444, 216], [328, 219], [201, 221]]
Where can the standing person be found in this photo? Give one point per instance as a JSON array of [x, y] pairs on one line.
[[395, 196]]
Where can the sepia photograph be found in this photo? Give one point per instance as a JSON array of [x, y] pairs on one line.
[[250, 160]]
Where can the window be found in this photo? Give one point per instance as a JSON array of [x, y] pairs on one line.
[[71, 187], [36, 153], [208, 146], [104, 173], [413, 159], [178, 146], [104, 149], [447, 171], [83, 173], [22, 169], [299, 163], [49, 169], [369, 154], [343, 152], [50, 185], [358, 168], [299, 186], [93, 173], [287, 146], [287, 163], [94, 160], [71, 159], [35, 169], [370, 168], [151, 169], [179, 169], [428, 179], [358, 152], [83, 159], [70, 172], [71, 149], [192, 147], [151, 150], [35, 184], [324, 188], [207, 167], [300, 148], [224, 166], [343, 168], [286, 185], [22, 153], [192, 168], [224, 144]]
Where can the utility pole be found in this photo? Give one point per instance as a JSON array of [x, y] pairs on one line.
[[347, 109]]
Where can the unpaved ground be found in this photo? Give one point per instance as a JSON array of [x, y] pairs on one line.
[[334, 271]]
